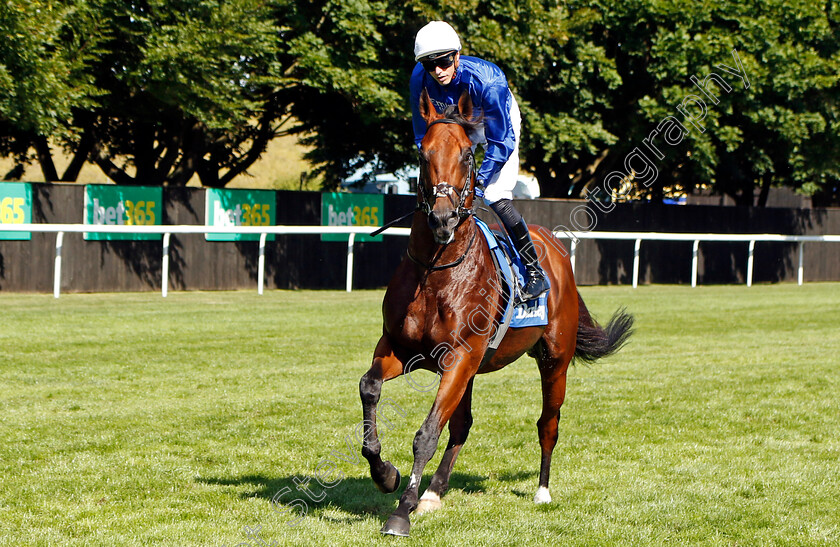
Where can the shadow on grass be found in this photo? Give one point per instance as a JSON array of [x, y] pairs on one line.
[[354, 495], [516, 477], [519, 476]]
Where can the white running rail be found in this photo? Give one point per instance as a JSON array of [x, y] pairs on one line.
[[638, 237], [263, 231]]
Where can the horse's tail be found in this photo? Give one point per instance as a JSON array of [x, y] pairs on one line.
[[595, 341]]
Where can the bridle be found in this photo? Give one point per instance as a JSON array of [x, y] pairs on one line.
[[446, 190]]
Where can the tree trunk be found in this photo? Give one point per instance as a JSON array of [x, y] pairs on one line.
[[42, 149], [86, 143], [111, 171], [765, 191], [15, 173]]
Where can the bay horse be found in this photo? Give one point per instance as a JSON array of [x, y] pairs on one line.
[[440, 310]]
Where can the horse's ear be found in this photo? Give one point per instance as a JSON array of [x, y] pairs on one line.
[[465, 106], [427, 109]]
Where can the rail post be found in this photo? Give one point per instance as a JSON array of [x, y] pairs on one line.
[[350, 240], [695, 250], [164, 270], [261, 272], [637, 247], [59, 243], [750, 263], [800, 272]]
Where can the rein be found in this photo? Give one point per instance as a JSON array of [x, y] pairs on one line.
[[434, 267]]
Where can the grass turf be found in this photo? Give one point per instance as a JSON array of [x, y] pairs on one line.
[[129, 419]]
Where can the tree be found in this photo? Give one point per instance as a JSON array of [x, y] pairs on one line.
[[348, 64], [595, 79], [152, 91], [157, 91], [356, 58], [778, 128], [43, 55], [190, 87], [564, 81]]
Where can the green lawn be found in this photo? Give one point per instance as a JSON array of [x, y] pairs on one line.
[[130, 419]]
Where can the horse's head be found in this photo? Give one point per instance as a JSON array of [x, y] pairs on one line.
[[447, 174]]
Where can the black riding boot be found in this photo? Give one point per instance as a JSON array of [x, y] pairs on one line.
[[536, 282]]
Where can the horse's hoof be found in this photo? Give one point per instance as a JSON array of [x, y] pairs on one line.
[[542, 495], [391, 481], [428, 503], [396, 526]]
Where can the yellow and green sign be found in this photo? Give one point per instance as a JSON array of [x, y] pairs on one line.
[[239, 208], [344, 209], [15, 208], [110, 205]]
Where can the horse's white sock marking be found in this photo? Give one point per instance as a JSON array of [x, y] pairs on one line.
[[542, 495], [428, 503], [431, 496]]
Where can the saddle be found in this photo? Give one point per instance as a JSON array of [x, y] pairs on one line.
[[510, 271]]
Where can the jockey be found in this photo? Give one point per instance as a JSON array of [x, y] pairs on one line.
[[445, 74]]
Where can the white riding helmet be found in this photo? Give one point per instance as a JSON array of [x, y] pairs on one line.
[[436, 37]]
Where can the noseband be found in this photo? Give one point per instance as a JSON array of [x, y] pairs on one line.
[[445, 189]]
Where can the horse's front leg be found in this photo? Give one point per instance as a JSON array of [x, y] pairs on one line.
[[459, 429], [452, 387], [385, 366]]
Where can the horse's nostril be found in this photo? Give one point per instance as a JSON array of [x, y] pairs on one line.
[[441, 218]]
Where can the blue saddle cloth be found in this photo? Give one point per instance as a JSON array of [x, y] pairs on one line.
[[532, 313]]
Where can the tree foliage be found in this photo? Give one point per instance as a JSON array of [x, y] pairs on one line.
[[189, 90], [171, 89], [43, 55], [778, 131], [155, 91], [347, 81]]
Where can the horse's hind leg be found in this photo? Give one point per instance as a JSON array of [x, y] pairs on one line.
[[459, 428], [385, 366], [553, 375]]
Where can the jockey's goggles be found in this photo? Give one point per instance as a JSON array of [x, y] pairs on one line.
[[443, 61]]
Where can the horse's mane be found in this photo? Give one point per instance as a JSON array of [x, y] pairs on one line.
[[451, 112]]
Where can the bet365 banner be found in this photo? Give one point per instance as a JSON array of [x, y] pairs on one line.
[[15, 208], [106, 204], [344, 209], [239, 208]]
